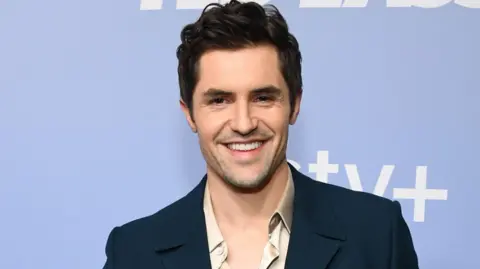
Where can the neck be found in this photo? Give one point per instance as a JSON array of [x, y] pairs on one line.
[[242, 209]]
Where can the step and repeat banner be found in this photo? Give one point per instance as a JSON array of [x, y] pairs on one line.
[[92, 136]]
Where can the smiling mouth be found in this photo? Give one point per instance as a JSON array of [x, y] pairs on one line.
[[244, 147]]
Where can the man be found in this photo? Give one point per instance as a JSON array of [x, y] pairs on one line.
[[241, 86]]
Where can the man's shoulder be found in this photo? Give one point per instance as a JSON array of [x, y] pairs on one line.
[[351, 206], [363, 218], [164, 217], [348, 198], [164, 227], [176, 214], [366, 219]]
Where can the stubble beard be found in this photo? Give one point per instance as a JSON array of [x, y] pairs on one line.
[[249, 185]]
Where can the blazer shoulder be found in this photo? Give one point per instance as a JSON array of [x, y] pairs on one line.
[[357, 208], [148, 232], [140, 237], [161, 218], [342, 199], [363, 219], [168, 226]]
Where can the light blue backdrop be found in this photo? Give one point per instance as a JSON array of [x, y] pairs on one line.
[[91, 134]]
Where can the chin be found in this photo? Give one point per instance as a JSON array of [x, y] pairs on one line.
[[248, 181]]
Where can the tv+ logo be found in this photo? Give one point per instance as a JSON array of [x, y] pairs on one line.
[[420, 193]]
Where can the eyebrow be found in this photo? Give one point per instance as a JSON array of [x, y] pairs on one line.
[[270, 89], [213, 92]]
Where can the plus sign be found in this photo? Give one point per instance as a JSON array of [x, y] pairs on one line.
[[420, 194], [151, 4], [322, 168]]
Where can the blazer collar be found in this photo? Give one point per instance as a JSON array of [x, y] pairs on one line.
[[185, 222], [315, 238], [182, 241], [317, 234]]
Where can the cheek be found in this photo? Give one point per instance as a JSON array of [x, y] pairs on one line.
[[277, 121], [208, 130]]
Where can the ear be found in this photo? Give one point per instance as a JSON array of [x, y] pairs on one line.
[[296, 108], [188, 116]]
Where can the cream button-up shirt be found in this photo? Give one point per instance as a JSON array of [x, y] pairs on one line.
[[274, 253]]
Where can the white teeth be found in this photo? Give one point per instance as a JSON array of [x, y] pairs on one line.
[[244, 147]]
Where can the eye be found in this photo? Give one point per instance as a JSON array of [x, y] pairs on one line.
[[217, 101], [264, 98]]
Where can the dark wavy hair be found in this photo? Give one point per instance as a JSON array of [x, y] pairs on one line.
[[237, 25]]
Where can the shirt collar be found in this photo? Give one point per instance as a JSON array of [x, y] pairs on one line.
[[215, 237], [285, 207]]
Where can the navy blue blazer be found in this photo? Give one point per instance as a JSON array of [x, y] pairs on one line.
[[333, 227]]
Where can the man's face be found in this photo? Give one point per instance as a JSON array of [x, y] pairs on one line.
[[241, 112]]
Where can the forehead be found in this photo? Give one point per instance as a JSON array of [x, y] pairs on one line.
[[240, 70]]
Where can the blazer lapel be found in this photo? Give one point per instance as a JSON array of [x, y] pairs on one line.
[[193, 254], [316, 237], [184, 244]]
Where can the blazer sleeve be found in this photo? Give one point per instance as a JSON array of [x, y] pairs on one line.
[[403, 254], [110, 249]]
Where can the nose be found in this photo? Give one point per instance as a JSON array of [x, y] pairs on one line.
[[242, 121]]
